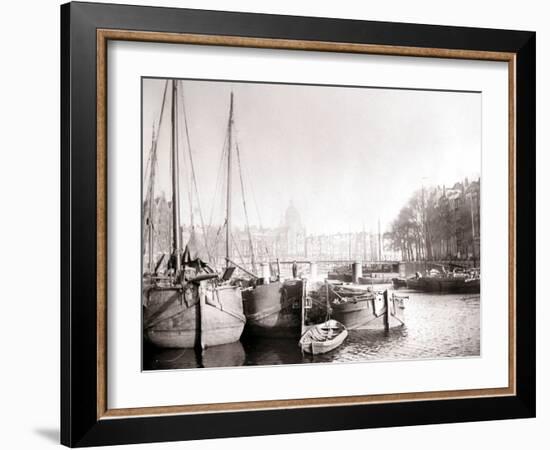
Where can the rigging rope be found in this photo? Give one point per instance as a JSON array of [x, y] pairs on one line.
[[194, 178], [189, 195], [238, 250], [243, 167], [153, 163], [219, 181], [252, 259]]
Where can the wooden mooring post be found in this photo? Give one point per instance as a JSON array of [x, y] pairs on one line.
[[387, 312]]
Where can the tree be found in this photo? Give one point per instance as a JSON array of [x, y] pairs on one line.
[[438, 223]]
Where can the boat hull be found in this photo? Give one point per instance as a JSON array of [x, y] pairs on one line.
[[273, 310], [180, 318], [399, 283], [444, 285], [318, 348], [368, 314], [418, 284]]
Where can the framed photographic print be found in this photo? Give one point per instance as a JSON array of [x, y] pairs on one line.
[[276, 224]]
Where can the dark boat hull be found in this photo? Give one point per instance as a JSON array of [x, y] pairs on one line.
[[444, 285], [178, 318], [418, 284], [399, 282], [273, 310]]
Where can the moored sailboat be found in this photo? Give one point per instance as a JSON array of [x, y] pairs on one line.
[[271, 306], [188, 306]]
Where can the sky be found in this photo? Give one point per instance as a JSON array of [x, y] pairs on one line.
[[345, 157]]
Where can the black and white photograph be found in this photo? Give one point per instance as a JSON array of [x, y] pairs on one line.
[[291, 223], [276, 224]]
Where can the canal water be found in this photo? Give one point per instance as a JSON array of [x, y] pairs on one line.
[[436, 326]]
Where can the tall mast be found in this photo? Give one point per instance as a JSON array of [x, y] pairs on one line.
[[176, 246], [228, 201], [151, 195], [151, 189]]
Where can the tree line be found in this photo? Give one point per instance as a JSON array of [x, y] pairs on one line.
[[438, 223]]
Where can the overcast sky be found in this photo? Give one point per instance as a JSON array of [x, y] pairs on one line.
[[344, 156]]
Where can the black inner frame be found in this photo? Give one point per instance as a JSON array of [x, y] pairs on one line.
[[79, 423]]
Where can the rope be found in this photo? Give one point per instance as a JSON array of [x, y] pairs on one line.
[[252, 260], [189, 189], [236, 246], [194, 178], [254, 199], [153, 162], [219, 183]]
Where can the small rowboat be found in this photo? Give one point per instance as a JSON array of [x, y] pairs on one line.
[[323, 337]]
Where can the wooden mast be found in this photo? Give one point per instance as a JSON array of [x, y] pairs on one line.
[[228, 201], [176, 245], [151, 195], [151, 190]]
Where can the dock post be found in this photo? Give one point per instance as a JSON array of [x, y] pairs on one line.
[[357, 272], [387, 312]]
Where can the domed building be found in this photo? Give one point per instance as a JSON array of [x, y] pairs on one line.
[[292, 217], [292, 234]]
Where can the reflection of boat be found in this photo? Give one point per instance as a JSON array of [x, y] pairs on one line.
[[227, 355], [189, 305], [358, 307], [323, 337]]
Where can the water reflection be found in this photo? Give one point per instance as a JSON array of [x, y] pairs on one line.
[[228, 355], [437, 326]]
